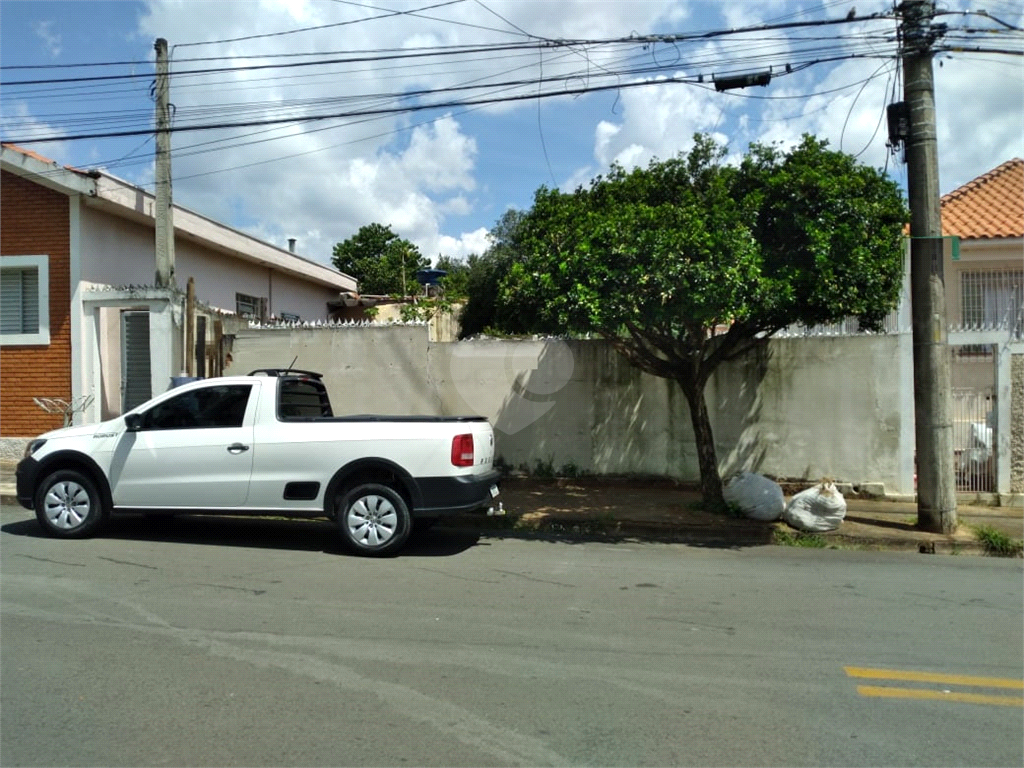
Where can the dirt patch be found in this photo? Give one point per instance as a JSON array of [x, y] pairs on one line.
[[655, 500]]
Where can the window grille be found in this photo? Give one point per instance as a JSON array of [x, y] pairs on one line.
[[991, 300], [19, 300], [249, 306], [24, 300]]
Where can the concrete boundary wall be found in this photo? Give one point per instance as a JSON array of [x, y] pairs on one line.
[[1017, 425], [800, 408]]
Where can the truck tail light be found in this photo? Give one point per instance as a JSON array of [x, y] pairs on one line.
[[462, 450]]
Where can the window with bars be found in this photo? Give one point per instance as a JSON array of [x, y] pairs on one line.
[[991, 300], [250, 306], [24, 300]]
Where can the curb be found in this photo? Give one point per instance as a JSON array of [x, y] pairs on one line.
[[736, 537]]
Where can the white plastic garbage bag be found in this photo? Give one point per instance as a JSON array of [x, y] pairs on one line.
[[756, 495], [818, 509]]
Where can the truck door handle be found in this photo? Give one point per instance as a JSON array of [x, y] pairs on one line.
[[237, 448]]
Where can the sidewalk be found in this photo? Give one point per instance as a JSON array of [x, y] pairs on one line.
[[661, 510], [664, 511]]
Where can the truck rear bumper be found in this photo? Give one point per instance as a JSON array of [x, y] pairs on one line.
[[452, 495]]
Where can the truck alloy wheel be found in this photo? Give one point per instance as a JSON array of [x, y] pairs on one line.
[[68, 505], [374, 519]]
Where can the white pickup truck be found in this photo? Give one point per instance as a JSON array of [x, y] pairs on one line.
[[263, 444]]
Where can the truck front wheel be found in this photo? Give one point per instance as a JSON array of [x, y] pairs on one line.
[[374, 519], [69, 506]]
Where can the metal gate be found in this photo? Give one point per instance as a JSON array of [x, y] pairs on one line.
[[974, 439], [136, 381]]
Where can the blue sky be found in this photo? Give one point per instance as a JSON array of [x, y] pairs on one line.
[[442, 177]]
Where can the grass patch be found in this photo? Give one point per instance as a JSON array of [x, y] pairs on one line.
[[732, 509], [726, 509], [997, 543], [544, 469], [787, 538], [571, 470]]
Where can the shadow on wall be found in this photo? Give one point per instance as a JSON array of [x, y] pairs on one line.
[[736, 405], [580, 406], [531, 391], [545, 421]]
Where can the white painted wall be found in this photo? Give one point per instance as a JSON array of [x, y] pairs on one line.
[[115, 251]]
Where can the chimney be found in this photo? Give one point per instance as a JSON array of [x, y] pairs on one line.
[[291, 244]]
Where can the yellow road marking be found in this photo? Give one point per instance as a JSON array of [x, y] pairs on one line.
[[933, 677], [924, 693]]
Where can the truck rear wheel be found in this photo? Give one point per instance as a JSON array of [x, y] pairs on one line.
[[374, 519]]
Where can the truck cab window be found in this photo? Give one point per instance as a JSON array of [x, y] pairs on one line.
[[303, 399], [208, 408]]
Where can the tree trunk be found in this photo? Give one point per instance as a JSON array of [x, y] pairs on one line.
[[710, 480]]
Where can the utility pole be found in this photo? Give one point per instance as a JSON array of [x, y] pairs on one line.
[[164, 214], [933, 410]]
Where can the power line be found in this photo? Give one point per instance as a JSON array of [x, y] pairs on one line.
[[984, 14], [751, 58], [318, 27], [254, 67], [418, 107], [403, 54], [514, 26], [431, 18], [733, 55], [747, 46]]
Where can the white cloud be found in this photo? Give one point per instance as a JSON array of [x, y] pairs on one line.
[[467, 243], [980, 109], [52, 42], [581, 177], [657, 121], [439, 182], [458, 206], [322, 198], [403, 179], [17, 118], [440, 157]]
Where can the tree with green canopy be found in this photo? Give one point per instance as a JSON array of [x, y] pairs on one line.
[[691, 262], [483, 311], [456, 282], [382, 262]]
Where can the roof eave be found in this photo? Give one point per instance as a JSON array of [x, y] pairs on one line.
[[125, 200]]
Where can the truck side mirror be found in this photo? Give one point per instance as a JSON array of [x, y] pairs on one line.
[[133, 422]]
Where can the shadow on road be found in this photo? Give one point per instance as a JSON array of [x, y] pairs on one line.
[[259, 533], [739, 537]]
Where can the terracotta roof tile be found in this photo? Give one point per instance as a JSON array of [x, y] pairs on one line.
[[991, 205], [37, 156]]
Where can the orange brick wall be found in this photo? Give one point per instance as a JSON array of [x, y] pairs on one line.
[[35, 220]]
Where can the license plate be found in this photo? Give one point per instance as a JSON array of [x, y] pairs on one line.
[[494, 491]]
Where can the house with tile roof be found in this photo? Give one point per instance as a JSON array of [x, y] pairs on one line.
[[81, 319], [984, 264], [986, 216]]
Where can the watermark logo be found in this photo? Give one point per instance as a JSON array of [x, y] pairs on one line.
[[513, 383]]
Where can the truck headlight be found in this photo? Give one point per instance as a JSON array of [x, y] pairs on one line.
[[33, 446]]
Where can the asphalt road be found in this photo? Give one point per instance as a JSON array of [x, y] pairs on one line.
[[212, 642]]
